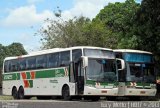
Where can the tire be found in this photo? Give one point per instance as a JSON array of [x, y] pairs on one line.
[[15, 93], [21, 93], [66, 93]]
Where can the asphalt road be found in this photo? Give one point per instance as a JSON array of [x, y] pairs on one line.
[[77, 104], [48, 104]]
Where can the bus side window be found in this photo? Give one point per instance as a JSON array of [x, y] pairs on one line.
[[53, 60], [41, 62], [22, 64], [14, 65], [31, 63], [64, 58], [6, 66]]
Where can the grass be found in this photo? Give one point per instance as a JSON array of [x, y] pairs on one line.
[[11, 98], [6, 98]]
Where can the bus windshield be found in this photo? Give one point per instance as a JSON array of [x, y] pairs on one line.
[[142, 72], [101, 70], [141, 67]]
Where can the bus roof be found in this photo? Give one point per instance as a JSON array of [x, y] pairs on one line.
[[55, 50], [131, 51]]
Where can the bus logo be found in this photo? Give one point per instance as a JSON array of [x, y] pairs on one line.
[[7, 77]]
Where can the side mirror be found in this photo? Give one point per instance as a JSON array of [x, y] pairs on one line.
[[85, 61], [120, 64]]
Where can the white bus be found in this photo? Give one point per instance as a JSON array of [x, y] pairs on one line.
[[139, 77], [76, 71]]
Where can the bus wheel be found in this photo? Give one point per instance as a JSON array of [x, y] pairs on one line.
[[15, 93], [21, 93], [66, 93]]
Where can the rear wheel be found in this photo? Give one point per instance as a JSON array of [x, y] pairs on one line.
[[66, 93], [21, 93], [15, 93]]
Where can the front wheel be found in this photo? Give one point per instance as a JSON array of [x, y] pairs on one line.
[[66, 93]]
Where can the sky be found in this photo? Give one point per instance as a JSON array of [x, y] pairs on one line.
[[21, 19]]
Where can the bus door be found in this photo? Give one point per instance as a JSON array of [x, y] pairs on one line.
[[79, 77]]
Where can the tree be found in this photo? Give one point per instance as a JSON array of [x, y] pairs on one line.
[[148, 22], [62, 33], [96, 34], [15, 49], [119, 20]]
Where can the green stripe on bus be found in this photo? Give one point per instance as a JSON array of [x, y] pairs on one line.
[[30, 83], [50, 73], [17, 76], [28, 75], [14, 76], [38, 74]]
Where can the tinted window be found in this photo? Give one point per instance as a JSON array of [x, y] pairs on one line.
[[31, 63], [64, 58], [41, 62], [76, 54], [22, 64], [53, 60], [7, 66], [14, 65]]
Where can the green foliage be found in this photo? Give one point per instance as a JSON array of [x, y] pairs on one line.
[[119, 19], [148, 27], [64, 33], [148, 22], [96, 34]]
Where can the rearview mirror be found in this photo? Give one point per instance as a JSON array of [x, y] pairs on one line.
[[85, 61], [120, 64]]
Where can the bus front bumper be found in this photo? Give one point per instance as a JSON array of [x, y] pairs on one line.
[[100, 92], [140, 92]]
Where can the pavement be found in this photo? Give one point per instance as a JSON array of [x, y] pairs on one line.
[[77, 104]]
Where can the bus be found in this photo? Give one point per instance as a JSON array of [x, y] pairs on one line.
[[80, 71], [138, 78]]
